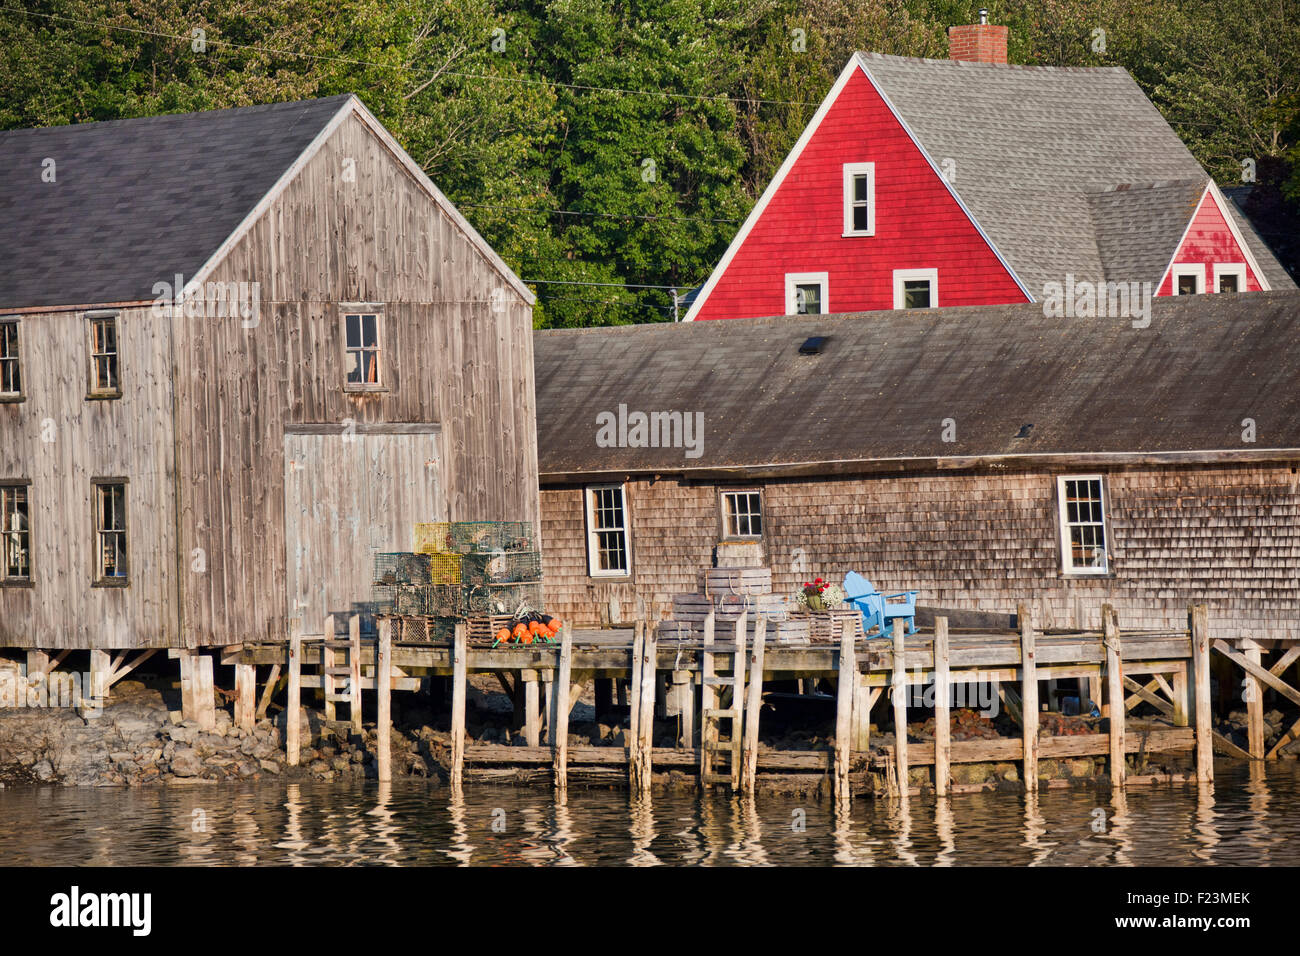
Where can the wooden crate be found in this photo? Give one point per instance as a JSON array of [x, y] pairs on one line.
[[793, 630], [726, 607], [735, 581], [482, 630], [827, 626]]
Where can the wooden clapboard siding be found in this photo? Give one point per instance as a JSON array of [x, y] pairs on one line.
[[1225, 535], [457, 352], [127, 437]]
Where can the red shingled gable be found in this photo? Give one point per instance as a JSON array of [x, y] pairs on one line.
[[918, 224], [1208, 241]]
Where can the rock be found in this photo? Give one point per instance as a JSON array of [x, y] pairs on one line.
[[220, 762], [1080, 768], [270, 766], [44, 771], [1048, 769], [182, 734], [223, 724], [247, 768], [121, 757], [418, 767], [186, 762], [1012, 775], [319, 767], [248, 746]]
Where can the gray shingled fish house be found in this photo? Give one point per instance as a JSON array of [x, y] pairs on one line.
[[346, 357], [982, 456]]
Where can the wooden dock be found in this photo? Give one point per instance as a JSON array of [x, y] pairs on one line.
[[716, 686]]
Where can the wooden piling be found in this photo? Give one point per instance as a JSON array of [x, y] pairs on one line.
[[459, 673], [942, 714], [1199, 626], [1182, 682], [684, 688], [354, 668], [739, 661], [245, 696], [708, 701], [634, 711], [646, 723], [272, 679], [532, 705], [560, 719], [327, 665], [898, 690], [753, 704], [1253, 692], [845, 693], [293, 715], [384, 697], [1115, 694], [1029, 712], [101, 668], [205, 691]]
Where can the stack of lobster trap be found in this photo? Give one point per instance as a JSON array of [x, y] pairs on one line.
[[728, 593], [486, 573]]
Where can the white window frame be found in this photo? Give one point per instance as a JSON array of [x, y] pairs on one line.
[[903, 276], [1063, 525], [727, 534], [1237, 269], [795, 279], [1181, 269], [593, 541], [852, 170]]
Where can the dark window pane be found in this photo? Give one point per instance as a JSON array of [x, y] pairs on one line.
[[1187, 285], [354, 331], [808, 299], [1228, 283], [916, 294], [860, 218]]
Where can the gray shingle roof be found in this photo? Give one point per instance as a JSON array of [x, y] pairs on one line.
[[1033, 144], [136, 201], [886, 381]]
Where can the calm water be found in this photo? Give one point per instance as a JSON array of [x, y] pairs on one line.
[[1244, 819]]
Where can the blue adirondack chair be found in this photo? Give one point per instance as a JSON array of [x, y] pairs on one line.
[[877, 609]]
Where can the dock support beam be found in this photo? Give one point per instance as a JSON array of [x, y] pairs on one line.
[[1199, 623], [245, 696], [1115, 694], [1253, 692], [560, 719], [898, 690], [645, 699], [942, 714], [532, 705], [754, 703], [293, 715], [384, 697], [459, 675], [634, 710], [844, 699], [354, 668], [1029, 695]]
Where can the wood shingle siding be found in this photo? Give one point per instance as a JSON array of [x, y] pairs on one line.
[[1225, 535]]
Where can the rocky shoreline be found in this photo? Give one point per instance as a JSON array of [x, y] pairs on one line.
[[138, 740]]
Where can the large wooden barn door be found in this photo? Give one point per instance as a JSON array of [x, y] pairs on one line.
[[347, 496]]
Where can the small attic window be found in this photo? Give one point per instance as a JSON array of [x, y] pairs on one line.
[[813, 345]]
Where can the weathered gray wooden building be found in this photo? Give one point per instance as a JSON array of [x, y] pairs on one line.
[[983, 456], [346, 357]]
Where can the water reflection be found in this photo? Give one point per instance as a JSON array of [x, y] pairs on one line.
[[1250, 816]]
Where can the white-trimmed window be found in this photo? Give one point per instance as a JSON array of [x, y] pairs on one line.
[[859, 199], [11, 366], [1230, 277], [807, 293], [742, 515], [104, 380], [609, 532], [1188, 278], [363, 348], [1082, 504], [916, 288], [15, 534]]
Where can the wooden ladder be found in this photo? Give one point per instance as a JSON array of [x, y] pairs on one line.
[[720, 758], [340, 669]]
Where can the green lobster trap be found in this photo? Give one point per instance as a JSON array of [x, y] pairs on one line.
[[488, 599], [471, 537], [393, 568], [502, 567]]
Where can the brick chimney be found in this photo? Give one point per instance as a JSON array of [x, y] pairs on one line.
[[978, 42]]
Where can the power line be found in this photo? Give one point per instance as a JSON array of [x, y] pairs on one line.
[[613, 285], [605, 215], [523, 81]]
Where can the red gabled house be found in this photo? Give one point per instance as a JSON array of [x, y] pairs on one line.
[[921, 183]]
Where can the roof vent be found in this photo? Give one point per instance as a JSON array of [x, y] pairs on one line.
[[813, 345], [1025, 430], [984, 17]]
